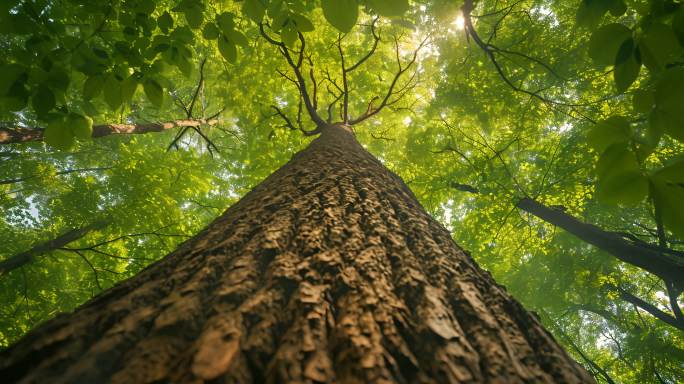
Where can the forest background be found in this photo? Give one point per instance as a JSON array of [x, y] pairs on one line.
[[545, 135]]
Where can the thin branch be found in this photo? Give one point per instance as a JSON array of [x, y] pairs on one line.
[[390, 91], [23, 258], [376, 40], [288, 122], [298, 74], [650, 308], [345, 86], [199, 86], [97, 277], [490, 52]]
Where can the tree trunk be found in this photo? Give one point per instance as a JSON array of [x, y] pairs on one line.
[[19, 260], [660, 261], [328, 271]]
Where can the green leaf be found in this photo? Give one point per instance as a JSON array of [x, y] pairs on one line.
[[80, 126], [128, 88], [659, 46], [254, 9], [227, 49], [669, 100], [303, 24], [58, 80], [616, 159], [590, 12], [145, 7], [183, 35], [341, 14], [225, 22], [184, 65], [289, 35], [154, 92], [627, 66], [614, 129], [643, 100], [389, 8], [279, 20], [165, 22], [112, 92], [92, 87], [617, 7], [619, 178], [58, 135], [238, 38], [9, 74], [210, 31], [678, 25], [656, 127], [669, 196], [43, 100], [671, 173], [194, 16], [628, 188], [17, 97], [605, 43]]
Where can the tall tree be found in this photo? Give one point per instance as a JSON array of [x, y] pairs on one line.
[[329, 270]]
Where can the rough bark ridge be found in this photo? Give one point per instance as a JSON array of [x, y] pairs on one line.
[[328, 271]]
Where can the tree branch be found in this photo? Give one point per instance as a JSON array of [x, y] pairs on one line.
[[376, 40], [23, 135], [345, 86], [23, 258], [199, 86], [666, 264], [650, 308], [298, 74], [390, 91]]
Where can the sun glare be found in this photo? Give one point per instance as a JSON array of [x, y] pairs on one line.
[[459, 22]]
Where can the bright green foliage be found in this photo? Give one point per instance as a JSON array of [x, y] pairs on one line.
[[589, 117]]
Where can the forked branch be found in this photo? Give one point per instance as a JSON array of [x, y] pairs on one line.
[[393, 96], [296, 68]]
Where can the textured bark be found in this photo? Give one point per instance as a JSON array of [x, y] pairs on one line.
[[328, 271], [23, 135]]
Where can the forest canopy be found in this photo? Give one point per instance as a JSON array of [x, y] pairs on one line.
[[546, 135]]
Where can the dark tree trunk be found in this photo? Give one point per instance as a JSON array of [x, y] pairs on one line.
[[328, 271], [665, 263], [19, 260]]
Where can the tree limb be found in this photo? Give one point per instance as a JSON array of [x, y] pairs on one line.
[[23, 134], [298, 74], [23, 258], [668, 265], [650, 308], [390, 91]]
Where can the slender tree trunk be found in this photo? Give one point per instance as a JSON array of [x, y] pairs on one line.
[[662, 262], [20, 259], [23, 135], [328, 271]]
